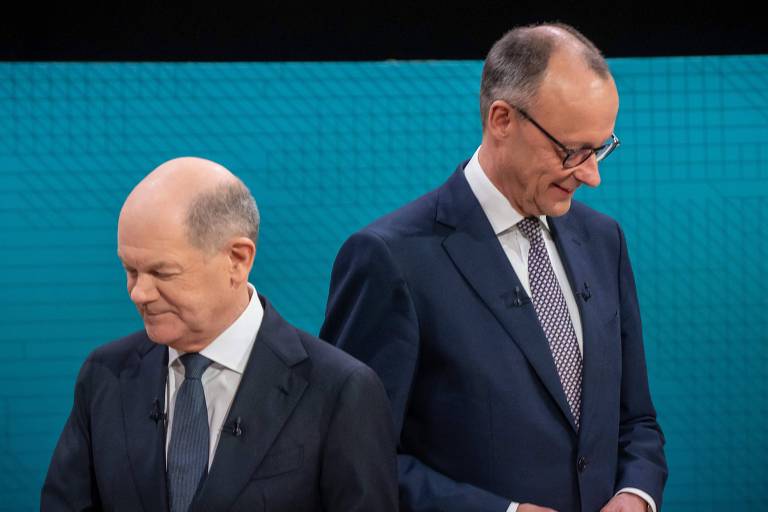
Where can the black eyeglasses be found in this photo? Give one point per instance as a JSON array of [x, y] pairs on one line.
[[575, 157]]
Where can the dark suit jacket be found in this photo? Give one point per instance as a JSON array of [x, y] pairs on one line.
[[428, 299], [316, 432]]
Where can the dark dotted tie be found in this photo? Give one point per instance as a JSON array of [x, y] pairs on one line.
[[552, 311], [188, 450]]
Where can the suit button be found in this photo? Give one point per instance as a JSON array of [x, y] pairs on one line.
[[581, 465]]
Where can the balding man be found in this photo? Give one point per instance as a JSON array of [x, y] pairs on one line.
[[502, 316], [218, 404]]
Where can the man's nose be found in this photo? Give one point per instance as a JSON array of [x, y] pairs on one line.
[[588, 173], [144, 290]]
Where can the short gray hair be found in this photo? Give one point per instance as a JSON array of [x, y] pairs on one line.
[[516, 63], [227, 211]]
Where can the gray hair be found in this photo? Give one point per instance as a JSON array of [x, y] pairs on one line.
[[516, 63], [215, 216]]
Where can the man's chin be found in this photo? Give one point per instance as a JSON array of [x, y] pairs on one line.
[[161, 336], [556, 201], [559, 208], [554, 212]]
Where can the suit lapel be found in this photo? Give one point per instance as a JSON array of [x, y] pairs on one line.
[[268, 393], [479, 257], [142, 387], [571, 240]]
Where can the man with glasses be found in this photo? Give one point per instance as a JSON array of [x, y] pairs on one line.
[[502, 315]]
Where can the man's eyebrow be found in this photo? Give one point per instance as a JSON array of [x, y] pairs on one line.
[[164, 265], [587, 145], [581, 144], [158, 265]]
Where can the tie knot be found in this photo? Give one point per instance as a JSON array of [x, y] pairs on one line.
[[194, 365], [531, 229]]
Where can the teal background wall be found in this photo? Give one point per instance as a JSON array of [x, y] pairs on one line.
[[328, 147]]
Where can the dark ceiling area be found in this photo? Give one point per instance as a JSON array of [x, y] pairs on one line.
[[291, 31]]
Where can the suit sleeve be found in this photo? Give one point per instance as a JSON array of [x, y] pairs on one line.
[[71, 482], [371, 315], [641, 462], [359, 471]]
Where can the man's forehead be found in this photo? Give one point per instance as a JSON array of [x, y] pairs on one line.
[[574, 104], [161, 214], [577, 85], [134, 258], [149, 226]]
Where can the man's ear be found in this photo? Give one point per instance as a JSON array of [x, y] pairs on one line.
[[241, 252], [502, 119]]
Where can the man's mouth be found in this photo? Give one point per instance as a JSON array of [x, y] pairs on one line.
[[154, 313]]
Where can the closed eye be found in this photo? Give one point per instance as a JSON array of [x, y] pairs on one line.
[[161, 275]]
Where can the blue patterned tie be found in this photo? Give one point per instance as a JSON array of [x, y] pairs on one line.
[[188, 450], [552, 311]]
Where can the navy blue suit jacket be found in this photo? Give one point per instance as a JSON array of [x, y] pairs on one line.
[[428, 299], [316, 432]]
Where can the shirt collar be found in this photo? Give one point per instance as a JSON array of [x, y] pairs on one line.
[[232, 347], [501, 214]]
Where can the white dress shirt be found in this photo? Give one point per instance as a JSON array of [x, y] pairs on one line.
[[229, 353], [504, 219]]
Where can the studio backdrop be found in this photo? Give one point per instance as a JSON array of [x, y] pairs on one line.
[[326, 148]]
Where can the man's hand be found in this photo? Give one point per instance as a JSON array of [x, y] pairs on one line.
[[527, 507], [625, 502]]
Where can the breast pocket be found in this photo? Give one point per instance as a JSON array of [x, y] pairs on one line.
[[280, 462]]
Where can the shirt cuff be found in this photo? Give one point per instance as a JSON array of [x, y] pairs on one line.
[[513, 507], [642, 494]]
